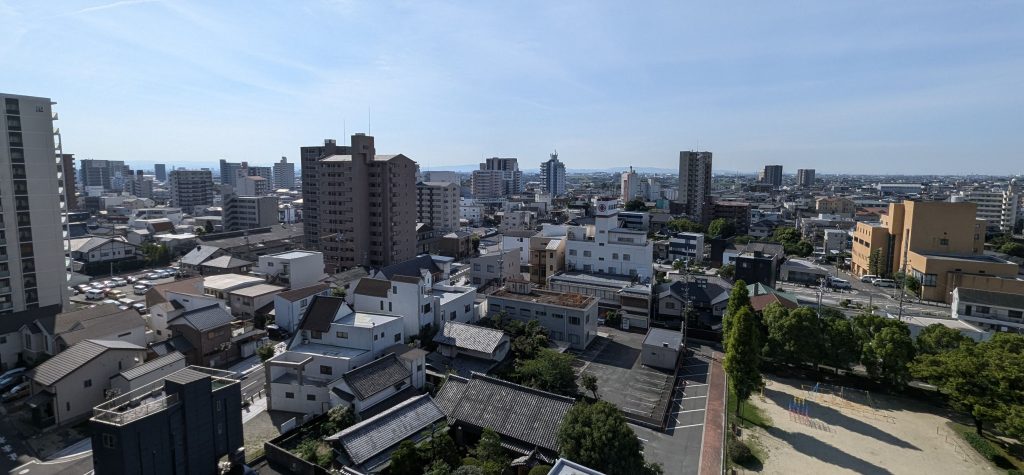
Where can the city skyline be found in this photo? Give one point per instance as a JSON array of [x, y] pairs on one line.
[[842, 88]]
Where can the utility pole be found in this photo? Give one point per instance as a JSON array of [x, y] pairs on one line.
[[903, 273]]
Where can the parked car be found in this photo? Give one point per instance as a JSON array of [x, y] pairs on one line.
[[140, 307], [83, 287], [126, 301], [11, 377], [94, 294], [867, 279], [115, 294], [153, 276], [17, 392], [119, 282], [139, 289], [277, 333], [883, 283], [837, 283]]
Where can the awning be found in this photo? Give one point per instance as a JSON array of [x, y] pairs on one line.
[[39, 400]]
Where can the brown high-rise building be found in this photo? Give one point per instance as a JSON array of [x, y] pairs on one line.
[[69, 180], [694, 183], [359, 208]]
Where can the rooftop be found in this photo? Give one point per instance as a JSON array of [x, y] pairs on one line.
[[613, 281], [366, 319], [257, 290], [383, 431], [69, 360], [293, 254], [547, 297], [990, 298], [470, 337], [153, 397], [229, 281]]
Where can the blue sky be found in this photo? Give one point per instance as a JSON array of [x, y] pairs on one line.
[[877, 87]]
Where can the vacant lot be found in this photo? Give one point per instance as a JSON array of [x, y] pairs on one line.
[[842, 430]]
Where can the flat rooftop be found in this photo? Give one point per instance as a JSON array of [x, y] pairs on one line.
[[365, 320], [258, 289], [293, 254], [227, 281], [966, 258], [547, 298], [318, 349], [613, 281]]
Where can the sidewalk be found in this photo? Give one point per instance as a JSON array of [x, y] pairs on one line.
[[712, 450], [258, 405]]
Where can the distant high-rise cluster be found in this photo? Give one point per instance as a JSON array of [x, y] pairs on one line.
[[359, 207], [694, 183], [771, 175], [630, 185], [160, 172], [497, 178], [552, 176]]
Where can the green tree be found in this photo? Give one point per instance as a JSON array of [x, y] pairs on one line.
[[739, 298], [727, 271], [406, 460], [938, 338], [596, 435], [794, 336], [636, 205], [469, 470], [527, 338], [907, 282], [841, 348], [680, 225], [743, 355], [339, 418], [475, 241], [265, 352], [156, 254], [800, 248], [488, 455], [721, 228], [875, 262], [338, 292], [550, 371], [786, 235], [589, 383], [439, 468], [440, 448], [1013, 249], [743, 239], [886, 348]]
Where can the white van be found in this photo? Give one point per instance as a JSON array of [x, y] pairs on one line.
[[140, 289], [837, 283], [94, 294]]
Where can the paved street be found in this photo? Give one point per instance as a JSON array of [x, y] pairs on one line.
[[11, 445], [886, 299]]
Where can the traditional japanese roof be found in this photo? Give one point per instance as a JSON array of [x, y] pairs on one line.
[[470, 337], [376, 376], [203, 318], [386, 430]]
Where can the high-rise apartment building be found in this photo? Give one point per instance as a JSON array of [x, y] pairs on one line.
[[771, 175], [630, 186], [191, 189], [228, 172], [997, 207], [552, 176], [805, 177], [140, 185], [109, 174], [247, 212], [497, 178], [70, 180], [284, 174], [359, 207], [33, 237], [694, 183], [160, 172], [437, 204]]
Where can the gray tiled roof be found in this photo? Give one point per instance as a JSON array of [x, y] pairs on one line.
[[470, 337], [301, 293], [203, 318], [517, 412], [994, 299], [450, 393], [376, 376], [411, 267], [152, 365], [69, 360], [320, 313], [379, 433], [200, 254]]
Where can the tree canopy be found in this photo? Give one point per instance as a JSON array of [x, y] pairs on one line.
[[550, 371], [681, 225], [739, 297], [1013, 249], [793, 336], [937, 338], [635, 204], [886, 348], [596, 435], [743, 355], [721, 228]]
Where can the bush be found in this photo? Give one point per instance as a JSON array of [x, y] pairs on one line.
[[540, 470], [984, 447], [739, 453]]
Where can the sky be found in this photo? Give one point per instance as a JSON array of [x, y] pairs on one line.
[[843, 87]]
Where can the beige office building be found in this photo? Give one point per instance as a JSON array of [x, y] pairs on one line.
[[33, 239], [359, 207], [939, 243]]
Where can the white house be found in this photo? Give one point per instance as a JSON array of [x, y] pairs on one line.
[[606, 247], [991, 311], [687, 247], [290, 305], [295, 269], [96, 249]]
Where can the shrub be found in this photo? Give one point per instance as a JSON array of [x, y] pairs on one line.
[[983, 446], [540, 470], [739, 453]]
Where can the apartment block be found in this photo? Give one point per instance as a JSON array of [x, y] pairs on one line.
[[229, 172], [939, 243], [247, 212], [997, 207], [497, 178], [284, 174], [295, 269], [629, 185], [836, 205], [437, 204], [771, 175], [687, 247], [160, 172], [33, 238], [607, 247], [70, 180], [191, 190], [569, 317], [552, 176], [805, 177], [694, 183], [359, 207]]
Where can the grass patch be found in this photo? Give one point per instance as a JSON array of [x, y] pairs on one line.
[[988, 447], [750, 414], [746, 452]]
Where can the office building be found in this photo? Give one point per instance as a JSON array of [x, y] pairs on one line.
[[160, 172], [629, 186], [139, 185], [70, 180], [552, 176], [284, 174], [568, 317], [694, 183], [771, 175], [247, 212], [686, 247], [437, 204], [228, 172], [359, 207], [108, 174], [252, 186], [191, 189], [183, 423], [805, 177], [939, 243], [836, 205], [33, 238], [607, 247], [497, 178]]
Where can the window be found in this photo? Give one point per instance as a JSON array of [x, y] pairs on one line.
[[524, 312], [557, 315], [375, 337], [289, 395], [476, 267], [398, 337], [451, 316], [490, 268], [67, 405], [625, 257], [109, 442], [87, 383], [311, 397], [574, 320], [1014, 314], [615, 256], [983, 309], [394, 289], [586, 253], [316, 335], [419, 368], [28, 341], [390, 307], [342, 334], [382, 305], [572, 252], [943, 242], [467, 308], [324, 369]]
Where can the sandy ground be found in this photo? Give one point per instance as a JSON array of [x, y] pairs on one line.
[[857, 433]]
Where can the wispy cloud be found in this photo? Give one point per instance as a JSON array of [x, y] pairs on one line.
[[108, 6]]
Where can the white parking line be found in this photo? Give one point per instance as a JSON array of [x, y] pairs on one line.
[[691, 410], [694, 397], [693, 385], [683, 427]]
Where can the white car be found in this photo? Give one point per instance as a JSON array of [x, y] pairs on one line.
[[140, 289], [94, 294], [867, 279], [837, 283], [884, 283]]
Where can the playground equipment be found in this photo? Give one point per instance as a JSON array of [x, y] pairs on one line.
[[857, 401]]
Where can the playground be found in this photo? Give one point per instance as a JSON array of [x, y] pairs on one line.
[[822, 428]]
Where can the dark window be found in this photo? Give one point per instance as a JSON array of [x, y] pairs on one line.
[[109, 442], [311, 397], [324, 369], [289, 395], [87, 383], [574, 320], [398, 337], [316, 335]]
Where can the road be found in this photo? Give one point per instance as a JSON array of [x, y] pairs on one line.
[[885, 299]]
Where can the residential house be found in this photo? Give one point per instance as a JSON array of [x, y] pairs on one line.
[[11, 338], [367, 446], [248, 302], [220, 286], [547, 257], [460, 340], [224, 265], [364, 387], [708, 297], [456, 244], [190, 263], [208, 331], [293, 269], [290, 305], [95, 252]]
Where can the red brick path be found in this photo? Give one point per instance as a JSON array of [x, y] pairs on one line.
[[714, 420]]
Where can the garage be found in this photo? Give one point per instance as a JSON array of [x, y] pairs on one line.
[[661, 348]]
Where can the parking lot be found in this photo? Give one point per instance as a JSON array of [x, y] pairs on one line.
[[128, 290], [646, 395]]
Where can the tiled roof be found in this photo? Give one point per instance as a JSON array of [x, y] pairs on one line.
[[320, 313], [470, 337], [411, 267], [299, 294], [69, 360], [226, 262], [373, 287], [203, 318], [11, 323], [379, 433], [376, 376], [199, 255], [517, 412], [152, 365], [74, 329]]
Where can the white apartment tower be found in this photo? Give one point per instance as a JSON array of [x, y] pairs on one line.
[[630, 185], [552, 176], [33, 236], [997, 208], [437, 204], [606, 247]]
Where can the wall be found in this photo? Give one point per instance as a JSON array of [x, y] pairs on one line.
[[73, 401]]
